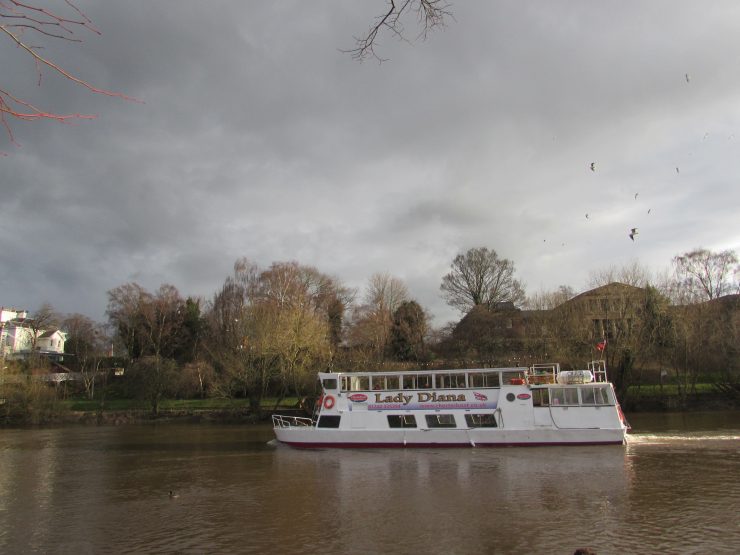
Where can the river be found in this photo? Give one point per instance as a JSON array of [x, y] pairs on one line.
[[674, 488]]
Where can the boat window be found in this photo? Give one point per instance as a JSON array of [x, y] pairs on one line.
[[329, 421], [587, 396], [541, 397], [571, 396], [483, 379], [563, 396], [601, 396], [513, 378], [330, 383], [378, 382], [450, 381], [481, 420], [409, 382], [441, 421], [359, 383], [401, 421], [424, 381], [391, 382]]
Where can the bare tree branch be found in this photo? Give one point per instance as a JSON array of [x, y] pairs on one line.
[[430, 14], [18, 19]]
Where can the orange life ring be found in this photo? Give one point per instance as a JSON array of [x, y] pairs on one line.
[[328, 402]]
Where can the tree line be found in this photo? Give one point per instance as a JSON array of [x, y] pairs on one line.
[[268, 331]]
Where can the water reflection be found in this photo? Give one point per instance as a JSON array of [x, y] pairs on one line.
[[98, 490]]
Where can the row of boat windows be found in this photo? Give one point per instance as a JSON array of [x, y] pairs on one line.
[[558, 396], [460, 380], [487, 420]]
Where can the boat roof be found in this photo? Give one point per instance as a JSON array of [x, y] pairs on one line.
[[415, 372]]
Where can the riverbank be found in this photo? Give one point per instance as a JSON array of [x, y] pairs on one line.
[[236, 411], [668, 398]]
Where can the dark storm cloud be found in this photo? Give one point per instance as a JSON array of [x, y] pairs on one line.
[[256, 137]]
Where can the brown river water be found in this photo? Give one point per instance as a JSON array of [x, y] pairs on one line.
[[674, 488]]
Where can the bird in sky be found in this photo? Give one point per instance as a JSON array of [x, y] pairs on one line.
[[687, 78], [593, 166], [677, 169], [633, 232], [649, 209], [636, 195], [587, 215]]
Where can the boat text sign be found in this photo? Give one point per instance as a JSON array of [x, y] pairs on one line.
[[426, 400]]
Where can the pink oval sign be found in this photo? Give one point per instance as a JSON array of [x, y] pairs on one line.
[[358, 397], [523, 396]]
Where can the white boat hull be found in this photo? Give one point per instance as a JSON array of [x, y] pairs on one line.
[[316, 437]]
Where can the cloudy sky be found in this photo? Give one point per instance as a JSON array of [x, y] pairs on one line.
[[257, 136]]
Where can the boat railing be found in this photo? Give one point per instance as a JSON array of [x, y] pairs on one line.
[[281, 421], [539, 374], [598, 369]]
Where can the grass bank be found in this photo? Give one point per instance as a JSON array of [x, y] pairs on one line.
[[652, 398]]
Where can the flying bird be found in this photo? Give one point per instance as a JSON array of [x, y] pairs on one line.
[[687, 78], [677, 170], [587, 215], [649, 209], [593, 166], [636, 195], [633, 232]]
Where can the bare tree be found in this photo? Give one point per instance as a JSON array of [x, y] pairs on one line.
[[630, 274], [547, 300], [44, 319], [430, 14], [24, 23], [148, 324], [480, 277], [86, 342], [372, 321], [704, 275]]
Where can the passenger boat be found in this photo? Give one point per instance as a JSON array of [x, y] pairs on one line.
[[484, 407]]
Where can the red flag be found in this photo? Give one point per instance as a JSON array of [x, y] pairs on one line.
[[601, 345]]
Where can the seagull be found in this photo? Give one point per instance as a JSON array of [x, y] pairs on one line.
[[593, 166], [649, 209], [173, 495], [636, 195], [587, 215], [687, 78], [633, 232], [677, 170]]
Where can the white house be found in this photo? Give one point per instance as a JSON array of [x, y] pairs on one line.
[[17, 336]]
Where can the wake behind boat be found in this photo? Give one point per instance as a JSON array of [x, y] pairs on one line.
[[491, 407]]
